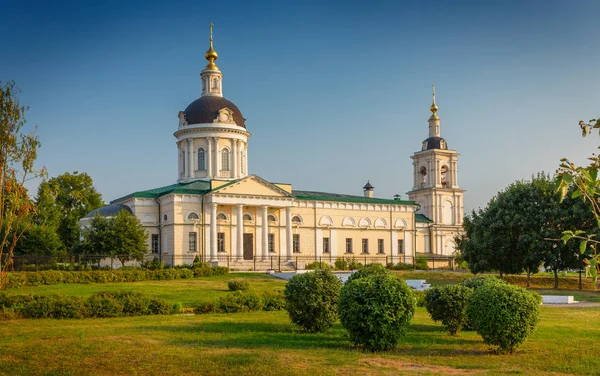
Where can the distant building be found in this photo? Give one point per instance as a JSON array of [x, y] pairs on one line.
[[219, 212]]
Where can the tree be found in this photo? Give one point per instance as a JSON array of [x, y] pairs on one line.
[[122, 237], [510, 234], [39, 240], [587, 187], [61, 201], [18, 152]]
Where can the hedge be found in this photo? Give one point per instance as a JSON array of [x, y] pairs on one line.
[[53, 277]]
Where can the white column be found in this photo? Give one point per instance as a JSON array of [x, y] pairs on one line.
[[209, 158], [245, 161], [234, 164], [187, 158], [240, 231], [191, 169], [265, 231], [213, 231], [216, 158], [288, 232], [179, 160]]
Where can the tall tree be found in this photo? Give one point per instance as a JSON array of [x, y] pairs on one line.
[[18, 152], [122, 237], [63, 200]]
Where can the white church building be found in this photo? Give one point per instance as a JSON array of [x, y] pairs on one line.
[[219, 212]]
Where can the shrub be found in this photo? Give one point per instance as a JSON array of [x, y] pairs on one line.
[[55, 307], [238, 284], [401, 266], [273, 301], [341, 264], [177, 307], [448, 304], [311, 299], [354, 265], [205, 307], [317, 265], [504, 315], [376, 310], [419, 297], [239, 302], [158, 306], [421, 263], [134, 303], [480, 280], [369, 270], [103, 304]]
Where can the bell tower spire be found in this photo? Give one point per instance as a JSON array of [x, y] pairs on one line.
[[434, 120], [211, 74]]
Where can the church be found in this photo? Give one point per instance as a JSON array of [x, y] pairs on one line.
[[218, 212]]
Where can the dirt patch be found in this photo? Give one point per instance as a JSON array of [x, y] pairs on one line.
[[407, 366]]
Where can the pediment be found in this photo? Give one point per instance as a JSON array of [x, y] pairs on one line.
[[252, 186], [225, 116]]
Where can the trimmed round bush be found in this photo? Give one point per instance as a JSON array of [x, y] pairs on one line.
[[311, 299], [238, 284], [55, 307], [366, 271], [419, 297], [376, 310], [239, 301], [504, 315], [103, 305], [448, 304]]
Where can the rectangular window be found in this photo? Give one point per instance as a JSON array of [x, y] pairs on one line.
[[326, 245], [365, 246], [220, 242], [401, 246], [155, 244], [296, 243], [272, 243], [380, 248], [192, 242], [348, 245]]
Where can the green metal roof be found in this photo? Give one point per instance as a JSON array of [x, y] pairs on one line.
[[422, 219], [323, 196], [195, 187]]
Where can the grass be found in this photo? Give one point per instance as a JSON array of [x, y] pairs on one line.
[[266, 343], [189, 292]]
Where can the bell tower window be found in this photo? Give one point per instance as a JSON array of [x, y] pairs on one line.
[[423, 177], [444, 173]]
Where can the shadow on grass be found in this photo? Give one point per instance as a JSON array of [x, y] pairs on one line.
[[420, 340]]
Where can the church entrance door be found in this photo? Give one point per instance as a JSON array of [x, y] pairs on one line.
[[248, 246]]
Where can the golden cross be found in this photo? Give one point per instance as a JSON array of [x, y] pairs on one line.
[[433, 89], [210, 27]]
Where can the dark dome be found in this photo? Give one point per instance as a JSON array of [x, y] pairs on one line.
[[109, 210], [204, 110], [434, 143]]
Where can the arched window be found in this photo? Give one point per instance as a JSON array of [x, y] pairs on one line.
[[221, 217], [193, 216], [215, 84], [296, 220], [201, 159], [183, 161], [348, 221], [271, 218], [247, 217], [445, 182], [225, 159], [423, 176], [448, 213]]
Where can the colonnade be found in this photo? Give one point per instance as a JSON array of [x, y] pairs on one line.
[[238, 164]]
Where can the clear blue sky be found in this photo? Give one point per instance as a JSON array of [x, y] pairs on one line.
[[334, 92]]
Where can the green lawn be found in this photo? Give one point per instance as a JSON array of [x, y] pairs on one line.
[[187, 291], [265, 343]]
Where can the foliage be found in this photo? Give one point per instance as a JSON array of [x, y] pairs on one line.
[[51, 277], [238, 301], [421, 263], [400, 266], [238, 284], [39, 239], [121, 236], [273, 300], [205, 307], [63, 200], [448, 304], [366, 271], [317, 265], [376, 310], [419, 297], [341, 264], [481, 280], [504, 315], [18, 152], [311, 299]]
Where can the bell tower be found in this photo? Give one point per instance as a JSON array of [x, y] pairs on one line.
[[435, 188]]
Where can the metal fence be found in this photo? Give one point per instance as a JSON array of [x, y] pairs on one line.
[[255, 263]]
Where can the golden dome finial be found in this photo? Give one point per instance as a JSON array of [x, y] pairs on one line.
[[434, 106], [211, 55]]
